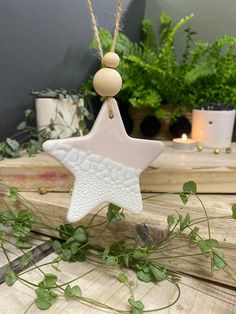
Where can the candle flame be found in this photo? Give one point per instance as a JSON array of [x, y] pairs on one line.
[[184, 137]]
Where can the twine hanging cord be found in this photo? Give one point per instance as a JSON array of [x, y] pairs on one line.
[[114, 39]]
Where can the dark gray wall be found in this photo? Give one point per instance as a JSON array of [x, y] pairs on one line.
[[45, 43]]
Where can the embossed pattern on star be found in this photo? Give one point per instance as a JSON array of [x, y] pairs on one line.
[[106, 164]]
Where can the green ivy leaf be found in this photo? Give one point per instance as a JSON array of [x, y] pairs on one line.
[[7, 218], [72, 292], [56, 245], [137, 307], [80, 234], [193, 234], [184, 197], [10, 276], [145, 277], [158, 273], [185, 222], [14, 194], [113, 214], [2, 236], [23, 244], [218, 260], [26, 259], [13, 144], [212, 242], [111, 261], [233, 208], [105, 253], [45, 298], [204, 247], [122, 278], [139, 252], [66, 231], [190, 187], [48, 282], [170, 220]]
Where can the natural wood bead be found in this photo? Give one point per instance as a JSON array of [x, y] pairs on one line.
[[107, 82], [111, 60]]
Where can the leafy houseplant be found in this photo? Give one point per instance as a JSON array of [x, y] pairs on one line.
[[30, 138], [62, 110], [153, 75]]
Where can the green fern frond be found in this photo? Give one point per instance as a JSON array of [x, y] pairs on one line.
[[148, 36]]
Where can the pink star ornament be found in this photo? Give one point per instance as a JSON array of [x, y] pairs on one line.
[[106, 164]]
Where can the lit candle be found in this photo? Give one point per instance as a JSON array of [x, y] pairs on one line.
[[184, 143]]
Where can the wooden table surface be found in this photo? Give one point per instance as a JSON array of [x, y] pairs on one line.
[[216, 177]]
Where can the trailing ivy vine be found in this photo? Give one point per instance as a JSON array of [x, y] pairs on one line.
[[73, 245]]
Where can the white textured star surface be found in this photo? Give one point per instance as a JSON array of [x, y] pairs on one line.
[[106, 164]]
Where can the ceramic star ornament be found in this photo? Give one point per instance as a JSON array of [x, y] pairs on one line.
[[106, 164]]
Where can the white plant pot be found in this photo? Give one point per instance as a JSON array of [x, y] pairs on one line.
[[212, 128], [61, 111]]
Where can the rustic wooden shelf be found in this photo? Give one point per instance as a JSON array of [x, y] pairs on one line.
[[213, 173]]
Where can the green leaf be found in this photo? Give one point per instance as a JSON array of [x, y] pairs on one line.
[[218, 260], [14, 194], [113, 214], [122, 278], [233, 208], [139, 252], [184, 197], [190, 187], [80, 234], [13, 144], [185, 222], [7, 218], [204, 247], [212, 242], [193, 234], [105, 252], [145, 277], [23, 244], [136, 304], [66, 231], [170, 220], [21, 126], [66, 254], [10, 276], [56, 245], [111, 261], [158, 273], [2, 236], [45, 298], [26, 259], [72, 292], [48, 282]]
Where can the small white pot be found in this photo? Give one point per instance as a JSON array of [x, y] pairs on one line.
[[212, 128], [61, 111]]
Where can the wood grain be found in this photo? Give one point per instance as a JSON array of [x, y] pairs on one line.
[[213, 173], [196, 296], [151, 225]]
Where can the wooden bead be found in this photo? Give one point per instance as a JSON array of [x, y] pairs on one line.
[[111, 60], [107, 82]]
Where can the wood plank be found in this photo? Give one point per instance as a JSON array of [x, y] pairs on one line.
[[52, 208], [213, 173], [40, 249], [196, 296]]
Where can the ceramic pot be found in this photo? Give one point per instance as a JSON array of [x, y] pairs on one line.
[[212, 128], [61, 111]]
